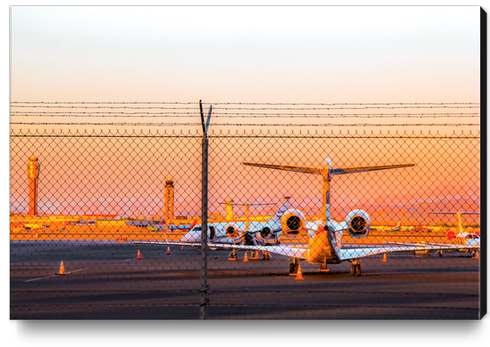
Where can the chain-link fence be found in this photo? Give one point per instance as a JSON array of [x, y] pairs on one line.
[[108, 223]]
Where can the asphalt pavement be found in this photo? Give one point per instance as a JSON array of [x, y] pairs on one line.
[[104, 280]]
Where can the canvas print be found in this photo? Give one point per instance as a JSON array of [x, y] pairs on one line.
[[223, 163]]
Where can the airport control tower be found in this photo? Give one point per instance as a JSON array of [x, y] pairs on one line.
[[33, 169], [169, 201]]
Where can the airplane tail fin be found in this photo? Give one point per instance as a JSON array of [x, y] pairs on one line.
[[193, 223], [326, 172], [276, 220]]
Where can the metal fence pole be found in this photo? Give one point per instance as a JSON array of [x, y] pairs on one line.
[[204, 217]]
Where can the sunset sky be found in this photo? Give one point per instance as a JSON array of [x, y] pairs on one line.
[[245, 54], [251, 54]]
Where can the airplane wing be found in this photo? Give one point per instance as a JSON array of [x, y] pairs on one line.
[[301, 250], [298, 251], [437, 245], [351, 253]]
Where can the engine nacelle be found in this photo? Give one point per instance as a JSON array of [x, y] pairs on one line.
[[292, 222], [358, 223], [266, 233], [231, 232]]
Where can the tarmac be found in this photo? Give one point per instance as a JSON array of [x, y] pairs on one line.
[[104, 280]]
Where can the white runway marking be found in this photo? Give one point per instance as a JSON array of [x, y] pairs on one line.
[[66, 273]]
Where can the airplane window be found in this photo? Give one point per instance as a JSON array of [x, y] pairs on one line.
[[196, 228]]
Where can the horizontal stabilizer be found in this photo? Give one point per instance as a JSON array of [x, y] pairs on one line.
[[287, 168], [348, 170], [339, 171], [244, 204]]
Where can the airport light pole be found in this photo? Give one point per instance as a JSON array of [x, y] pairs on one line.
[[204, 213]]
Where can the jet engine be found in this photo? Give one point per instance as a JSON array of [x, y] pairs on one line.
[[292, 222], [265, 233], [231, 232], [358, 223]]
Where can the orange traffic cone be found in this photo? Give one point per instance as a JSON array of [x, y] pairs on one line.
[[182, 248], [256, 255], [246, 257], [476, 255], [168, 250], [299, 274], [384, 258], [62, 269], [139, 255]]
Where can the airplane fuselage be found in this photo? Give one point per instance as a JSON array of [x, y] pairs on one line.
[[220, 236]]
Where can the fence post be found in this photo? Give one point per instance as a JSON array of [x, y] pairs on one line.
[[204, 214]]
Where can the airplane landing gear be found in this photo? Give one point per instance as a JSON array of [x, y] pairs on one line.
[[293, 267], [266, 255], [355, 269], [323, 267], [440, 253], [232, 255]]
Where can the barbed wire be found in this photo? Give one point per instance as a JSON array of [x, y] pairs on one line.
[[239, 103], [111, 107], [244, 115], [106, 102], [246, 108], [334, 108], [347, 103]]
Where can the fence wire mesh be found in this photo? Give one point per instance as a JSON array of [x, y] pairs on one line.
[[106, 223]]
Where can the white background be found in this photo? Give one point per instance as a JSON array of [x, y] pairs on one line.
[[218, 333]]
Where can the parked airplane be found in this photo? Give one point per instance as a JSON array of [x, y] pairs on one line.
[[463, 241], [325, 238], [396, 227], [249, 232], [165, 227], [463, 237], [461, 232]]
